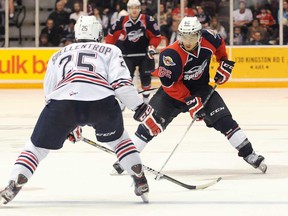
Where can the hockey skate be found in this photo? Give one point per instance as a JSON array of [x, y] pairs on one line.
[[12, 189], [117, 169], [141, 187], [140, 182], [257, 161]]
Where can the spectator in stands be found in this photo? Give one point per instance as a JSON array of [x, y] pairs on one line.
[[266, 20], [123, 4], [145, 9], [173, 36], [216, 26], [176, 13], [60, 17], [257, 39], [238, 37], [203, 17], [255, 7], [52, 32], [151, 6], [44, 40], [103, 19], [256, 28], [242, 17], [165, 21], [68, 32], [68, 5], [115, 14], [77, 11]]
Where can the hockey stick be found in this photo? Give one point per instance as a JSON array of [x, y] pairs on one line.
[[136, 55], [189, 187], [188, 128], [152, 89]]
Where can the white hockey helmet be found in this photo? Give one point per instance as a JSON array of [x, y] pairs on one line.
[[88, 28], [189, 29], [133, 3]]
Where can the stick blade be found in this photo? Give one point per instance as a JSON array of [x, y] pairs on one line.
[[209, 184]]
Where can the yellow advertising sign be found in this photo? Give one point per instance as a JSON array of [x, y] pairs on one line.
[[257, 62], [255, 67], [24, 64]]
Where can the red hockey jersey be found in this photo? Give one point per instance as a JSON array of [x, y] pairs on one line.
[[180, 71]]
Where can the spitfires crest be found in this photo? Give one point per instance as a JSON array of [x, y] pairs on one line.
[[196, 72], [168, 61]]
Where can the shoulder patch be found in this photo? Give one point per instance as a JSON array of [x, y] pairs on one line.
[[168, 61]]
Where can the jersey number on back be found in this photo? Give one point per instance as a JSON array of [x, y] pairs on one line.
[[81, 63]]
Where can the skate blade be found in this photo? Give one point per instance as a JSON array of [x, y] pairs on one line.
[[145, 198], [262, 167]]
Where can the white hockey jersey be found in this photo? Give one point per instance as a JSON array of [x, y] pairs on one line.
[[87, 72]]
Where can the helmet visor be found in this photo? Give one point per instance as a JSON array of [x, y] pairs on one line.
[[191, 38]]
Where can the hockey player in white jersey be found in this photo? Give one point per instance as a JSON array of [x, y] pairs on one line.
[[80, 86]]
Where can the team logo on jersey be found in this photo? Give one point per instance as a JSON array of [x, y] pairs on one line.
[[134, 36], [196, 72], [168, 61], [164, 72]]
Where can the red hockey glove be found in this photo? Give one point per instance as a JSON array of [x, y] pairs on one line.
[[151, 51], [146, 114], [195, 107], [224, 71], [75, 135]]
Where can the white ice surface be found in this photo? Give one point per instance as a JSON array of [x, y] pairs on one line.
[[76, 180]]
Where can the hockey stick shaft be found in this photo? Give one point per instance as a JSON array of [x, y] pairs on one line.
[[136, 55], [151, 89], [188, 128], [189, 187]]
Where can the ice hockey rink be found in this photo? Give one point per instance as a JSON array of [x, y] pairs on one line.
[[77, 180]]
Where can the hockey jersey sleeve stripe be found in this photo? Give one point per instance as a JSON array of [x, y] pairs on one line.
[[84, 76], [120, 83]]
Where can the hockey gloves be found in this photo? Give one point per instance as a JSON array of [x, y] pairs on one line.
[[75, 135], [151, 51], [195, 107], [146, 114], [224, 71]]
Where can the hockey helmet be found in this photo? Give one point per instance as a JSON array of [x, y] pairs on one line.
[[133, 3], [190, 29], [88, 28]]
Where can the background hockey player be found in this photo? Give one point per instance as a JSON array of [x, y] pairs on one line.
[[137, 33], [81, 82], [184, 74]]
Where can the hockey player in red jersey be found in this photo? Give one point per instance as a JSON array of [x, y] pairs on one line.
[[80, 86], [184, 74], [138, 36]]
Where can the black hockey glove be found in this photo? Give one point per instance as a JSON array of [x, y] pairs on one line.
[[75, 135], [151, 51], [195, 107], [146, 114], [224, 71]]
